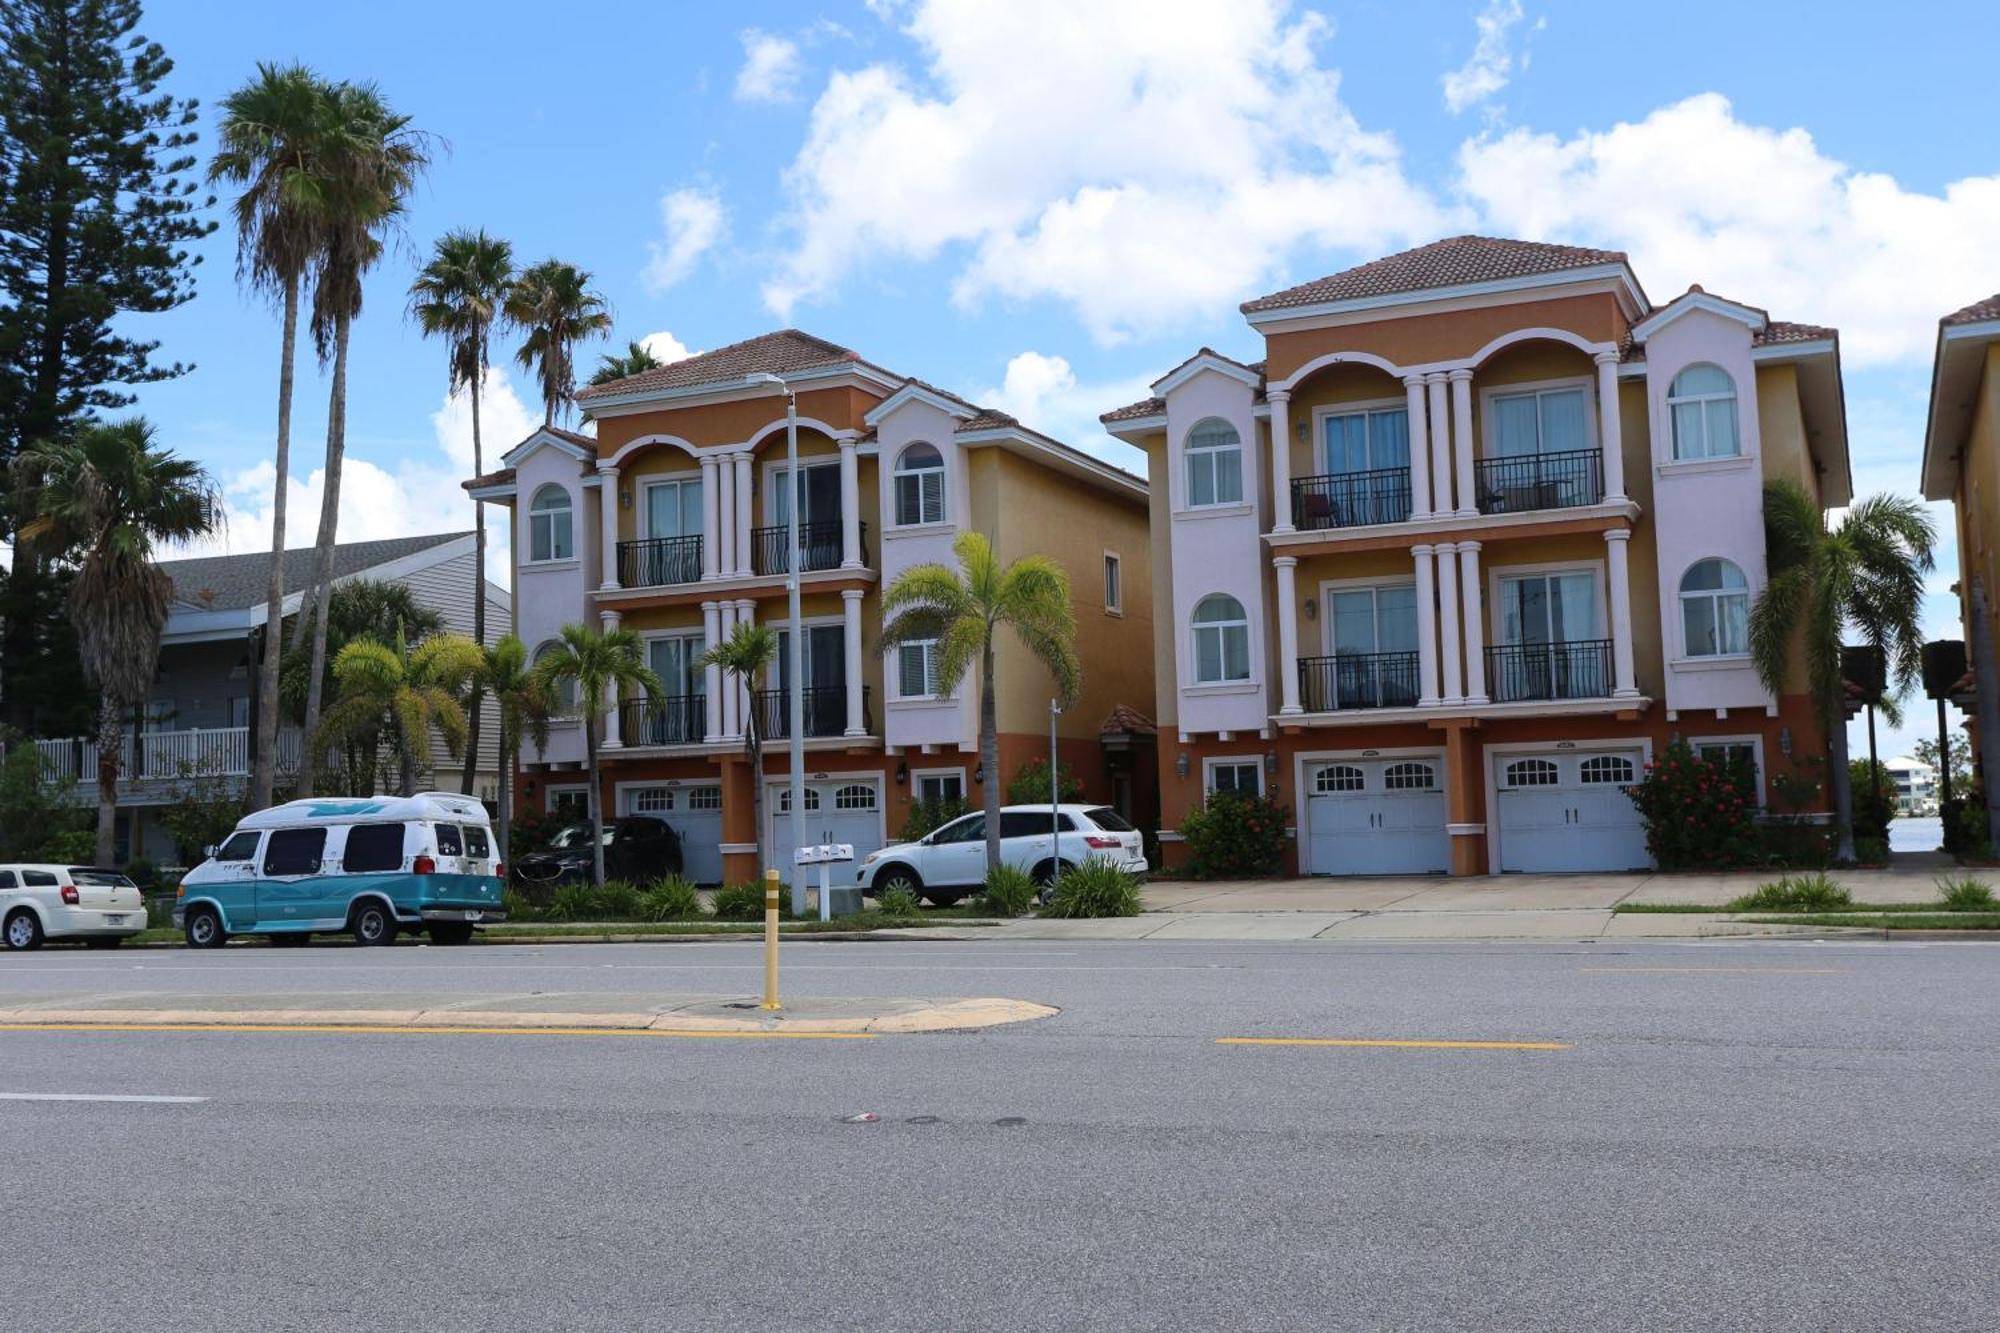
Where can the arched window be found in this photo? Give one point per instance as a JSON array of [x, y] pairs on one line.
[[1214, 463], [1715, 609], [704, 798], [1532, 773], [1609, 769], [854, 796], [550, 534], [565, 688], [919, 486], [1702, 402], [785, 800], [1221, 640], [1409, 776], [1337, 778]]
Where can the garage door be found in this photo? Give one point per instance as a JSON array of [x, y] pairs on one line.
[[847, 811], [694, 812], [1377, 817], [1567, 811]]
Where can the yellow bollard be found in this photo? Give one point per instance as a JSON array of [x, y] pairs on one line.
[[771, 940]]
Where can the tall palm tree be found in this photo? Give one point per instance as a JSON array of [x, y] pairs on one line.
[[359, 608], [961, 611], [525, 706], [743, 658], [634, 360], [107, 497], [402, 694], [456, 297], [602, 665], [374, 158], [270, 145], [1867, 575], [552, 303]]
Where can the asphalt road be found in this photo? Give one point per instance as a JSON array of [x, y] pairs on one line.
[[1737, 1136]]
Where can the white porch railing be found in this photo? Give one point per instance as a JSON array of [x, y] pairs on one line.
[[166, 755]]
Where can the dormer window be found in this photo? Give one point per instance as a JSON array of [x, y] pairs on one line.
[[551, 534], [1214, 464], [919, 486], [1702, 404]]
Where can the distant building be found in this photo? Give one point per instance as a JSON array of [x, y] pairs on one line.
[[1916, 785]]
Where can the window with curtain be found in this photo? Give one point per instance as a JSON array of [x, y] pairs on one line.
[[916, 669], [1715, 609], [1214, 464], [919, 486], [1702, 403], [1540, 421], [551, 535], [1365, 441], [1549, 608], [1221, 640], [673, 508]]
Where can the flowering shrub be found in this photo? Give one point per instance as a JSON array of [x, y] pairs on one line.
[[1233, 835], [1700, 814]]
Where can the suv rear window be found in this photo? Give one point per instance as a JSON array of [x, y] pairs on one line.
[[37, 879], [449, 843], [372, 847], [476, 844], [1110, 820], [85, 878], [7, 879], [294, 851]]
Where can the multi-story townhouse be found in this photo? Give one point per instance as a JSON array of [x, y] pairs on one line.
[[1476, 538], [671, 520]]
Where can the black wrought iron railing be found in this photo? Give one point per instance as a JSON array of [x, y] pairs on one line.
[[1517, 484], [1351, 499], [678, 719], [1358, 680], [825, 712], [819, 547], [1579, 669], [658, 560]]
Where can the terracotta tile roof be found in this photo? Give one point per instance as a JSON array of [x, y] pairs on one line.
[[501, 478], [588, 442], [1152, 407], [1448, 263], [1777, 331], [1979, 312], [1145, 407], [1124, 717], [987, 418], [768, 353]]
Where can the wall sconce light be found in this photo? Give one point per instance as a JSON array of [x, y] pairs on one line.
[[1312, 609], [1270, 761], [902, 772], [979, 773], [1299, 431], [1785, 741], [625, 497], [1181, 764]]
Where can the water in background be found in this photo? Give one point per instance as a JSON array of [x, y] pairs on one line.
[[1907, 834]]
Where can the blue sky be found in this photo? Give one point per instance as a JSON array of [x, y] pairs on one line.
[[1045, 205]]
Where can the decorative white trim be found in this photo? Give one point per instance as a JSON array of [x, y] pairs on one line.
[[1235, 509], [1326, 359], [1200, 362], [544, 438], [1211, 762], [1689, 302], [1690, 466], [637, 443], [1135, 425], [1539, 333], [747, 386], [1619, 274], [1489, 421], [917, 393], [1753, 740], [1465, 830], [765, 431]]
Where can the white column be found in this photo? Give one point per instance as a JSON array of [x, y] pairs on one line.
[[850, 506], [850, 607], [711, 676], [612, 723], [1420, 449], [1281, 461], [607, 516], [1624, 680], [1461, 429], [1474, 624], [732, 716], [1448, 637], [711, 523], [745, 516], [1440, 422], [746, 614], [1288, 632], [1427, 635], [725, 519], [1610, 435]]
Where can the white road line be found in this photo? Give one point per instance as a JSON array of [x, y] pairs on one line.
[[97, 1097]]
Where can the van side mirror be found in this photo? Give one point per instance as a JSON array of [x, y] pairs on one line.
[[208, 852]]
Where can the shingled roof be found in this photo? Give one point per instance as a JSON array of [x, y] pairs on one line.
[[1453, 262], [237, 582], [1979, 312], [776, 353]]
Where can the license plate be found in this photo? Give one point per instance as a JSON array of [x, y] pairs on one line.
[[114, 920]]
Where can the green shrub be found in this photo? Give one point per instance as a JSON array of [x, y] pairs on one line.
[[1234, 835], [518, 908], [141, 871], [1030, 783], [1095, 888], [926, 816], [672, 899], [743, 902], [1795, 844], [618, 900], [573, 902], [1965, 831], [1870, 850], [1699, 813], [76, 847], [1874, 803], [897, 902], [1009, 890], [529, 830], [1795, 893], [1966, 895]]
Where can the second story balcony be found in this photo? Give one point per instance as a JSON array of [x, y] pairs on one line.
[[1520, 483], [1358, 680], [1572, 669], [819, 547], [825, 708], [657, 561], [1351, 499], [679, 719]]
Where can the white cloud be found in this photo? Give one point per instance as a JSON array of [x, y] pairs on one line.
[[693, 220], [1144, 162], [504, 421], [770, 70], [666, 348], [1492, 62], [1043, 393]]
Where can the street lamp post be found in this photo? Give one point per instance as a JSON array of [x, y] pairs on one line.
[[794, 696]]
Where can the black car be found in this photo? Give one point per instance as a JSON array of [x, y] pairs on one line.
[[637, 848]]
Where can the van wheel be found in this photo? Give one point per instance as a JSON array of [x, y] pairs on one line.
[[24, 930], [372, 924], [451, 932], [204, 929]]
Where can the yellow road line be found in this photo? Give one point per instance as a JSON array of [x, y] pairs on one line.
[[1429, 1044], [1729, 971], [426, 1031]]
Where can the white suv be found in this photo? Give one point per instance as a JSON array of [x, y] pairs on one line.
[[38, 902], [950, 863]]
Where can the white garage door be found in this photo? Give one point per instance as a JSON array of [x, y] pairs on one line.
[[694, 812], [1377, 817], [848, 811], [1565, 811]]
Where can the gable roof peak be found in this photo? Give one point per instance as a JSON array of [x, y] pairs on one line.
[[1454, 261]]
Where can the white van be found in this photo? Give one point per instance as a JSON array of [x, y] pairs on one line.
[[367, 865]]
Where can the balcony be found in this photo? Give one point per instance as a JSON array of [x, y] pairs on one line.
[[1358, 680], [165, 755], [659, 560], [825, 712], [1525, 482], [1351, 499], [819, 547], [1578, 669], [678, 719]]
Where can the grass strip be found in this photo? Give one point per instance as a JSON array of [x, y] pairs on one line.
[[1922, 918], [1723, 909]]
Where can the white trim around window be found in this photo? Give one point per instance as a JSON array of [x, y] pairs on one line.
[[1711, 423], [553, 524], [1224, 639], [1496, 611], [1715, 597], [928, 650], [1114, 584], [1756, 744], [1235, 762], [553, 792], [1220, 464], [1489, 420], [652, 480], [919, 775]]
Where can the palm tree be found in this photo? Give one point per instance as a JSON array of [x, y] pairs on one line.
[[457, 297], [742, 658], [401, 693], [359, 608], [373, 161], [552, 303], [108, 496], [1866, 574], [271, 143], [598, 664], [525, 706], [961, 610], [635, 360]]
